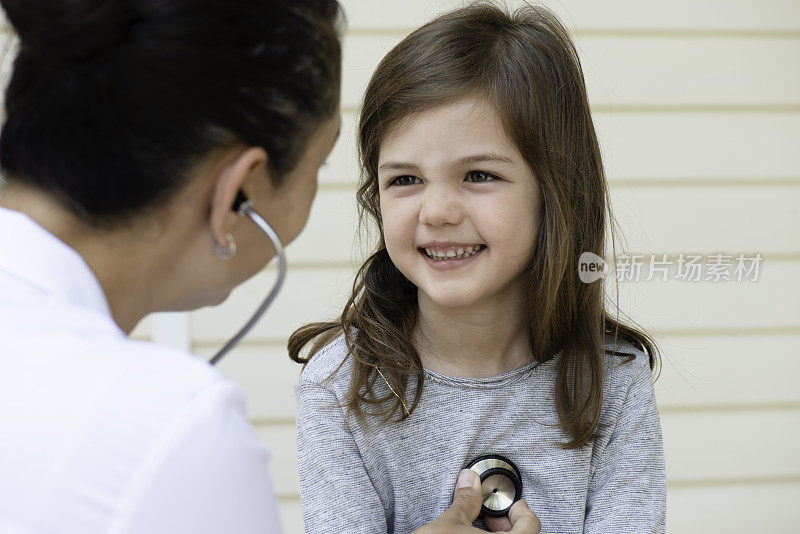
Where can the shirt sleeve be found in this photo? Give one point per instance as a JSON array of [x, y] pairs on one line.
[[627, 490], [207, 474], [337, 494]]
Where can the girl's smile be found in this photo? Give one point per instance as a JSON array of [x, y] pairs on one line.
[[449, 256]]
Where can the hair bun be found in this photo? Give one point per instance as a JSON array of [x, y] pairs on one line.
[[68, 30]]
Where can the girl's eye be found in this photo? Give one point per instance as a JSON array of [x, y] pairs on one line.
[[477, 177], [405, 180]]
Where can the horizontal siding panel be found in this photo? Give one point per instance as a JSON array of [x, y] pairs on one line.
[[637, 71], [281, 441], [736, 445], [699, 145], [704, 373], [9, 47], [331, 232], [342, 163], [728, 370], [770, 302], [319, 294], [690, 70], [738, 508], [775, 15], [657, 219], [143, 330], [671, 219], [659, 146], [698, 448], [267, 377], [308, 295], [291, 515]]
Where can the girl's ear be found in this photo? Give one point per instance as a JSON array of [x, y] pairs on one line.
[[250, 163]]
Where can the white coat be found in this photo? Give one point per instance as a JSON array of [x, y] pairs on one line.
[[101, 433]]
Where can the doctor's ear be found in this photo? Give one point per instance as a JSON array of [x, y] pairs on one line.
[[236, 183]]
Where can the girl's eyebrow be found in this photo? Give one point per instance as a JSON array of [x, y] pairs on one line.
[[482, 158], [475, 158]]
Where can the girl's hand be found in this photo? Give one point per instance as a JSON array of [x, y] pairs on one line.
[[466, 506]]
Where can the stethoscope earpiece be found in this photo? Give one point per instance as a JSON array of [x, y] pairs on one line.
[[501, 483], [239, 202]]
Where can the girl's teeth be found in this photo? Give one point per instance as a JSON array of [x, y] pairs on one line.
[[450, 254]]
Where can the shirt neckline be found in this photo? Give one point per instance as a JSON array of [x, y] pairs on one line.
[[501, 380]]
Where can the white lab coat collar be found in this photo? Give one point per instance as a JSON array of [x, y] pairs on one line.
[[36, 256]]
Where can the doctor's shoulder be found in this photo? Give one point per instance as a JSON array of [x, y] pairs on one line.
[[175, 380]]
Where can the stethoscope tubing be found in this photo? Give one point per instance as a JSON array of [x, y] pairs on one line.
[[247, 209]]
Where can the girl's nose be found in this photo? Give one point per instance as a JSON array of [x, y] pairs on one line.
[[440, 206]]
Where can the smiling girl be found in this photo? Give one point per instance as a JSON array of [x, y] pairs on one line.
[[469, 331]]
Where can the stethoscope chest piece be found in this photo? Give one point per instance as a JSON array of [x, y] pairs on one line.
[[501, 483]]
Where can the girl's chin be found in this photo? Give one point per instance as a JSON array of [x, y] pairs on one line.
[[450, 299]]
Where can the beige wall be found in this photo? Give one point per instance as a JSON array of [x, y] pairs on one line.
[[697, 104]]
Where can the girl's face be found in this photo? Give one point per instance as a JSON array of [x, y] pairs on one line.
[[460, 206]]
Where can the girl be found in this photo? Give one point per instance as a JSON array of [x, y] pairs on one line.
[[469, 331]]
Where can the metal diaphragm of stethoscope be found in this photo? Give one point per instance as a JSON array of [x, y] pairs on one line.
[[501, 483], [243, 207]]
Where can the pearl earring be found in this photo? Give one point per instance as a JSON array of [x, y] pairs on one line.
[[225, 253]]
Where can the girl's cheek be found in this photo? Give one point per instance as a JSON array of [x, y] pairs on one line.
[[398, 214], [394, 227]]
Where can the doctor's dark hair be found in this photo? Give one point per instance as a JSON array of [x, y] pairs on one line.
[[111, 103], [525, 65]]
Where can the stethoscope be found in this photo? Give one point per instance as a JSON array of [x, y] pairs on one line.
[[243, 207], [501, 483]]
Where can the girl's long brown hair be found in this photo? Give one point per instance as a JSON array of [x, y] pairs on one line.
[[525, 64]]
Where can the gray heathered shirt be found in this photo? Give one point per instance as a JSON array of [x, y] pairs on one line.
[[395, 477]]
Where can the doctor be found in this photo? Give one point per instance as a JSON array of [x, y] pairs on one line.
[[131, 128]]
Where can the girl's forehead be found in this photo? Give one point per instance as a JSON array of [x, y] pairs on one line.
[[456, 129], [463, 111], [470, 121]]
